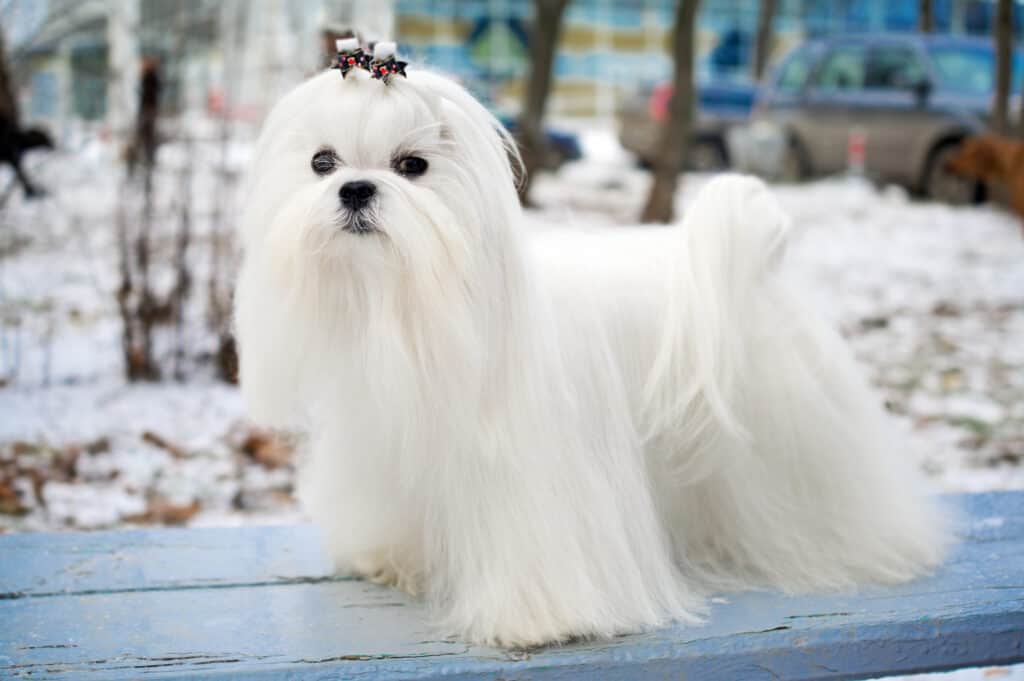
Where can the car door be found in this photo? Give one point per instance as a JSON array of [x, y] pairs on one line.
[[832, 102], [894, 111]]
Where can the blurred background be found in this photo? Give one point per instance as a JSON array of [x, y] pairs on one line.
[[126, 127]]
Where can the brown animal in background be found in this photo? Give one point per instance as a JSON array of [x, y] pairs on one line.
[[996, 159]]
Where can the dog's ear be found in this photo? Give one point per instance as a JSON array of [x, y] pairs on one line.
[[481, 143], [467, 121], [976, 158]]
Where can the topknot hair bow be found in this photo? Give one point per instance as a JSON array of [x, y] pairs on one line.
[[350, 56], [383, 65]]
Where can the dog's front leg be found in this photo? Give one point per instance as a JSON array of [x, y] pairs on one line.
[[549, 535], [372, 526]]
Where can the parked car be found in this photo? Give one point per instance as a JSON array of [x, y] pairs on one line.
[[720, 105], [910, 99], [562, 145]]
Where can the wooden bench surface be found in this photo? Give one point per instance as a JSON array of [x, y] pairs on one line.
[[260, 602]]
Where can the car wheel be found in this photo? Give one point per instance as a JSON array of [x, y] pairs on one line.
[[943, 185], [706, 156], [793, 166]]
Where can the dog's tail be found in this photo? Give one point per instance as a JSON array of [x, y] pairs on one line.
[[735, 233], [794, 477]]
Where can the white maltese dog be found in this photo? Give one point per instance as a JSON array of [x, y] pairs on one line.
[[566, 435]]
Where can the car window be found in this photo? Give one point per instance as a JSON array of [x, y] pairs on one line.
[[794, 72], [843, 69], [970, 69], [894, 67]]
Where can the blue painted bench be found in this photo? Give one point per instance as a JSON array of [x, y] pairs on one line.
[[261, 603]]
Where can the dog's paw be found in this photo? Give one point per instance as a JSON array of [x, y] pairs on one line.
[[379, 568], [526, 639], [523, 631]]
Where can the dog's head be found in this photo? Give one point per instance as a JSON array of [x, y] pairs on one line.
[[409, 179], [977, 157], [35, 138], [378, 231]]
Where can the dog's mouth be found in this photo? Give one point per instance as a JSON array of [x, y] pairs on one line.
[[358, 223]]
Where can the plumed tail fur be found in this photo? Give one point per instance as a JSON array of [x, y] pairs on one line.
[[734, 235], [784, 470]]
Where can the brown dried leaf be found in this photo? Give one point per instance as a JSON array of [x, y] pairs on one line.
[[10, 502], [98, 446], [38, 479], [267, 449], [64, 462], [176, 451], [163, 512], [21, 448]]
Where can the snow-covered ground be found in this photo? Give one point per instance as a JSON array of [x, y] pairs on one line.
[[931, 297]]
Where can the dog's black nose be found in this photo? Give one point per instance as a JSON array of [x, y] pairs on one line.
[[355, 195]]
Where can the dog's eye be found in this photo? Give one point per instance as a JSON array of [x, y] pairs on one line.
[[324, 161], [411, 166]]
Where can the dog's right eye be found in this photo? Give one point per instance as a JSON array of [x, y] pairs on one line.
[[324, 162]]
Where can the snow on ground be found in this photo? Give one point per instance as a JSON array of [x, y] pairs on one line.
[[931, 298]]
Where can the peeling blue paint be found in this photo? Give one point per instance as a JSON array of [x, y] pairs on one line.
[[261, 603]]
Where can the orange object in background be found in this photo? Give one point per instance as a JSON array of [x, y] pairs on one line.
[[996, 160]]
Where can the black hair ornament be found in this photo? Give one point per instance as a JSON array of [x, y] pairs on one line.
[[350, 56], [383, 65]]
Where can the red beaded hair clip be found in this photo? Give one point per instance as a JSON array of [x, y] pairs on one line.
[[382, 66], [350, 56]]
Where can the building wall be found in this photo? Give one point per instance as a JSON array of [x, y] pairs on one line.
[[609, 49], [242, 54]]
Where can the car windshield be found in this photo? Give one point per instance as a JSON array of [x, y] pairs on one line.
[[971, 70], [794, 71]]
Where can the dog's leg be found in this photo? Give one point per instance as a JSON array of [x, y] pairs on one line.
[[373, 526], [785, 471], [544, 529], [31, 191]]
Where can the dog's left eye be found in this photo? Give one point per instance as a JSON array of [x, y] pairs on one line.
[[324, 161], [411, 166]]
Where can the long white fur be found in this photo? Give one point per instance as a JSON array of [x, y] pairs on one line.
[[574, 435]]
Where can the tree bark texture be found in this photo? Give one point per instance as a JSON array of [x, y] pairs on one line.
[[544, 34], [763, 45], [1003, 30], [925, 16], [676, 131]]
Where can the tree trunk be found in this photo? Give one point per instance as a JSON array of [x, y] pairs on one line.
[[1020, 119], [676, 131], [1003, 28], [223, 267], [122, 67], [544, 33], [925, 16], [8, 91], [763, 45]]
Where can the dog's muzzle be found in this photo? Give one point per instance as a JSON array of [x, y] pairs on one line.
[[357, 195], [356, 198]]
